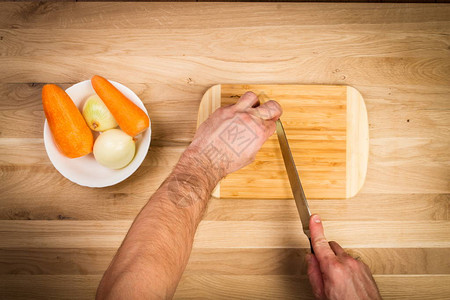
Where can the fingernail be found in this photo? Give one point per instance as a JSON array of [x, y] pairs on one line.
[[316, 219]]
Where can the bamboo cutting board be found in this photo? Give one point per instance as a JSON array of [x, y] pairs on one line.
[[328, 133]]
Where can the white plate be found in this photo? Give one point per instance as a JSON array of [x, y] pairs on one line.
[[85, 170]]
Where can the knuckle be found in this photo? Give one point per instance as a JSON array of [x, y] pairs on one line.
[[353, 263], [347, 257], [337, 269], [335, 264], [320, 241], [268, 111], [248, 94], [220, 111], [275, 106], [245, 117]]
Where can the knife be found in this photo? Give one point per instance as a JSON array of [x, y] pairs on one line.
[[294, 180]]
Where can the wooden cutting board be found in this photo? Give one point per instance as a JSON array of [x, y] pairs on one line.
[[328, 133]]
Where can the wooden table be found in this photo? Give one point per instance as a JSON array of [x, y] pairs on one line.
[[57, 238]]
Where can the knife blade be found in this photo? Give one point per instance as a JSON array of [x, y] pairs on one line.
[[294, 180]]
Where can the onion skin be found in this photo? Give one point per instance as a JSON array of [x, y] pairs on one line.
[[114, 149], [97, 115]]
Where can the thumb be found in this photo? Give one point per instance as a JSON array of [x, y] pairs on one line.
[[315, 276]]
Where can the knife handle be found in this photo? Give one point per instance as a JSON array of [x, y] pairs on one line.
[[310, 246]]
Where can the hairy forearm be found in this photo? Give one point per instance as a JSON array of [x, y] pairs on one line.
[[156, 249]]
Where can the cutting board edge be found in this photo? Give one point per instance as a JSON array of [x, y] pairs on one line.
[[211, 101], [357, 142]]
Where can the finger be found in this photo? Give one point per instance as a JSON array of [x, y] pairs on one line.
[[320, 245], [270, 127], [246, 101], [271, 110], [315, 276], [264, 131], [337, 249]]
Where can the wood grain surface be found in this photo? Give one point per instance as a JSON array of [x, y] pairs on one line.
[[327, 129], [57, 238]]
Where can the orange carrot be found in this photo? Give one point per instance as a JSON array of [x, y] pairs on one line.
[[69, 129], [128, 115]]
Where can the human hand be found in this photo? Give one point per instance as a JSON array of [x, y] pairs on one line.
[[333, 273], [230, 138]]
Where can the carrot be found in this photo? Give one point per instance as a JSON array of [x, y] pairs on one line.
[[128, 115], [69, 129]]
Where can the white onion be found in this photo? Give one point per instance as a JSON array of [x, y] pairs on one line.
[[97, 115], [114, 149]]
